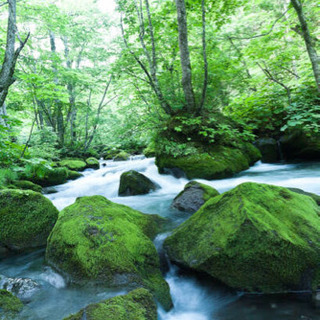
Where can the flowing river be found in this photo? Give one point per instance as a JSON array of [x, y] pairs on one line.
[[194, 297]]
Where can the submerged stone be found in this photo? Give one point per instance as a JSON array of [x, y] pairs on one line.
[[100, 241], [193, 196], [136, 305], [26, 219], [255, 237]]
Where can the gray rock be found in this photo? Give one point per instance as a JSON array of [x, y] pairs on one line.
[[193, 196], [23, 288], [269, 150]]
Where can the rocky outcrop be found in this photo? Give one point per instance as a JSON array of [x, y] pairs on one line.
[[193, 196], [10, 305], [102, 242], [26, 219], [134, 183], [73, 164], [255, 237]]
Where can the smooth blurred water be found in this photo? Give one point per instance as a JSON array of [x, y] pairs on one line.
[[195, 298]]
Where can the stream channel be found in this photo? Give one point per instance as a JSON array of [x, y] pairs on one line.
[[194, 298]]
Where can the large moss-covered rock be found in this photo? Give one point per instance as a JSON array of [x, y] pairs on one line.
[[26, 219], [27, 185], [255, 237], [97, 240], [73, 164], [9, 305], [92, 163], [217, 163], [193, 196], [51, 177], [134, 183], [136, 305]]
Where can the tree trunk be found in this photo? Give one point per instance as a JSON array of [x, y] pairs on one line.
[[185, 56], [10, 57], [308, 41]]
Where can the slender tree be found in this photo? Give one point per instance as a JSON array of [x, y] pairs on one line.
[[309, 41], [10, 58]]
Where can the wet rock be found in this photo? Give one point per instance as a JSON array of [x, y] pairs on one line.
[[134, 183], [256, 237], [23, 288], [193, 196]]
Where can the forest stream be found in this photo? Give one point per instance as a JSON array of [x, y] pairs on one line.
[[194, 297]]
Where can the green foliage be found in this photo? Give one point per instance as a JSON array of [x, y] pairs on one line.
[[304, 112], [7, 176]]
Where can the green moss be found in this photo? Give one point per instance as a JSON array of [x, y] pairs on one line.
[[254, 237], [9, 303], [136, 305], [26, 219], [27, 185], [92, 163], [51, 177], [149, 152], [97, 240], [219, 163], [77, 165], [73, 175], [122, 156], [134, 183], [314, 196]]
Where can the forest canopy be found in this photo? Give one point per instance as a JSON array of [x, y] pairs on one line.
[[85, 78]]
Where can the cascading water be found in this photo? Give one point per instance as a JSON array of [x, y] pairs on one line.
[[194, 298]]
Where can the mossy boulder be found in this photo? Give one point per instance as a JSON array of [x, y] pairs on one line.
[[27, 185], [74, 175], [10, 305], [51, 177], [92, 163], [122, 156], [73, 164], [99, 241], [135, 183], [219, 162], [255, 237], [193, 196], [136, 305], [314, 196], [26, 219]]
